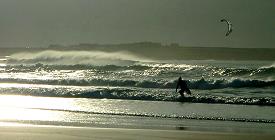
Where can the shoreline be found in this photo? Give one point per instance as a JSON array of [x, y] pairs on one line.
[[13, 131]]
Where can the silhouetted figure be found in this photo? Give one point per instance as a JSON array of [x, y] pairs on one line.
[[183, 87]]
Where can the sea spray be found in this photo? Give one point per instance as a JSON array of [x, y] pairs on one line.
[[75, 57]]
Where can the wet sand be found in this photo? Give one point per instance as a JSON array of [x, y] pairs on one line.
[[34, 132]]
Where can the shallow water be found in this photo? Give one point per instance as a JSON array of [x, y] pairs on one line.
[[136, 114]]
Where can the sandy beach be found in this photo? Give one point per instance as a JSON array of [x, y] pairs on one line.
[[42, 132]]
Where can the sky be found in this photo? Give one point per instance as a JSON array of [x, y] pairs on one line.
[[39, 23]]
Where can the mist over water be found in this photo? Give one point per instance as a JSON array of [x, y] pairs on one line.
[[98, 58]]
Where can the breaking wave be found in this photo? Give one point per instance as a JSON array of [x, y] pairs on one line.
[[121, 75], [53, 63], [51, 57], [201, 84], [135, 94]]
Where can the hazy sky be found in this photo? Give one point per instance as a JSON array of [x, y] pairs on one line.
[[187, 22]]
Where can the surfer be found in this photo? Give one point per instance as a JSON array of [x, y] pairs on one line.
[[183, 87]]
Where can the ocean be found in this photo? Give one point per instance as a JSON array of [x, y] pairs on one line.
[[120, 89]]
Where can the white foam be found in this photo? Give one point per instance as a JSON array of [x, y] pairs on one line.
[[77, 57]]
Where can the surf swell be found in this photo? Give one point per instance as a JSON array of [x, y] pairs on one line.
[[134, 94], [118, 75], [201, 84]]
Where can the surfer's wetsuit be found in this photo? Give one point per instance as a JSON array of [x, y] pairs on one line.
[[183, 87]]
